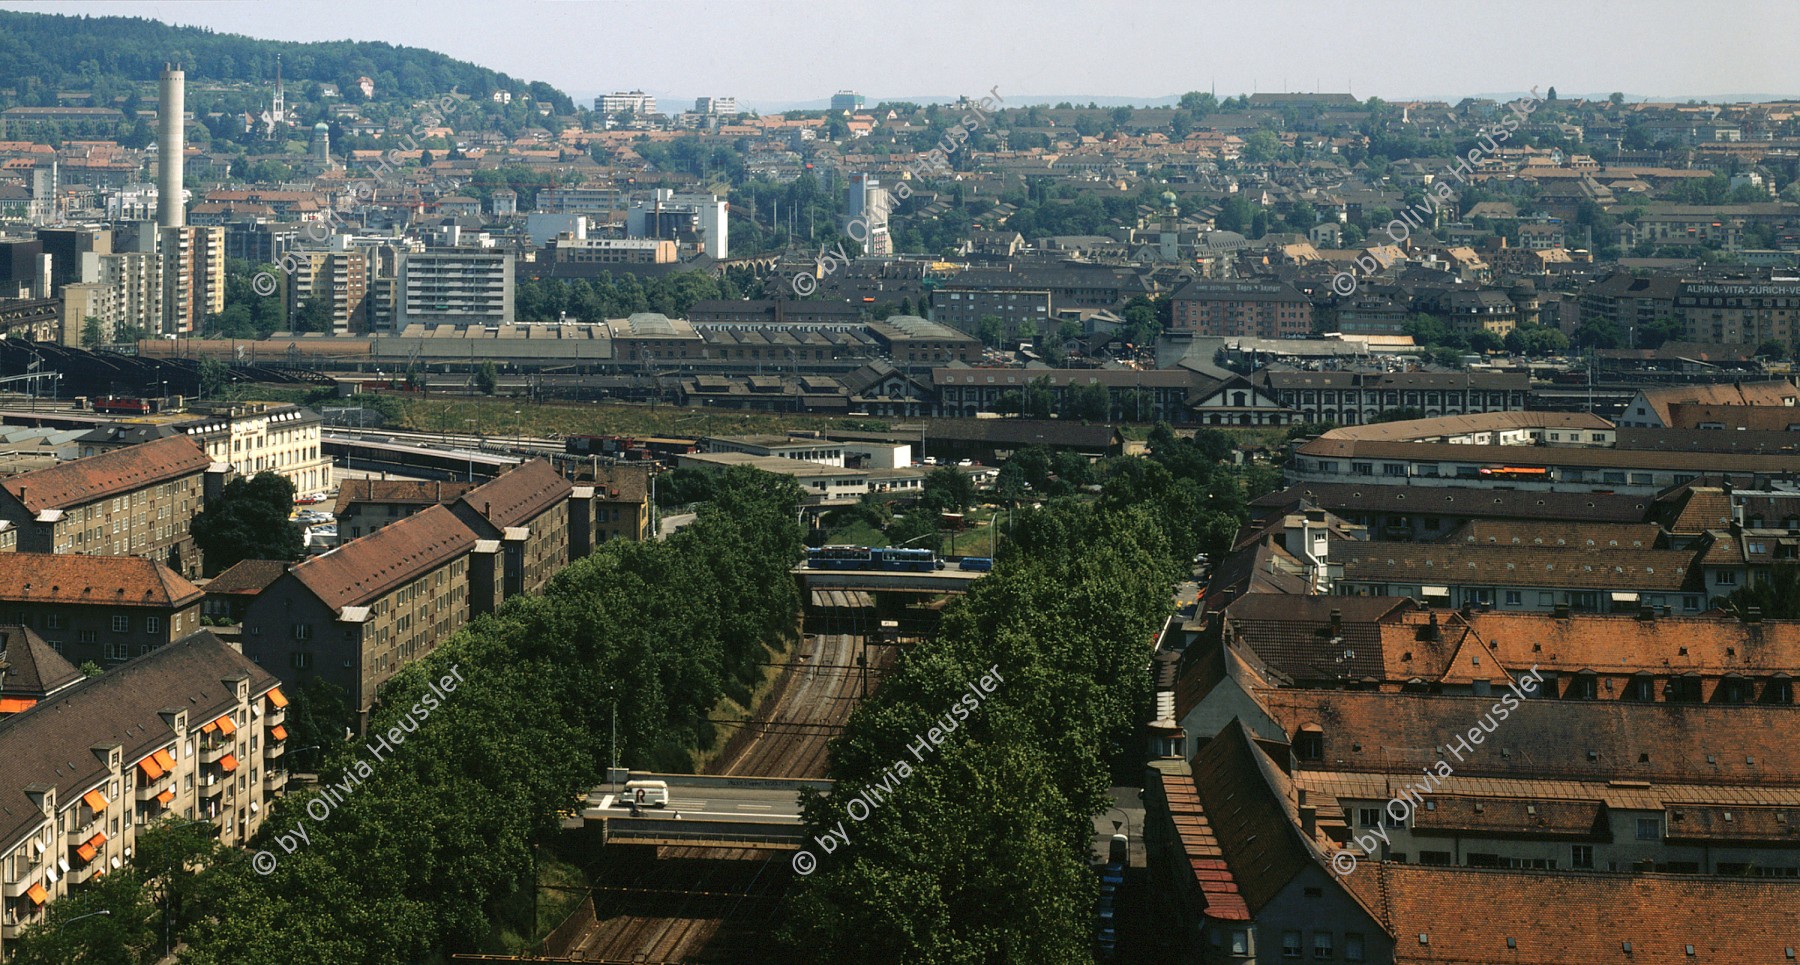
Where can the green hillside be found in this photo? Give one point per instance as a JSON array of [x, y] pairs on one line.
[[42, 54]]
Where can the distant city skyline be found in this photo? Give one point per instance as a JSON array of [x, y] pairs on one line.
[[771, 55]]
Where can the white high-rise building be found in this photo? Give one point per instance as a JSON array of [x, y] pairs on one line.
[[718, 106], [456, 286], [634, 102], [866, 215], [702, 219]]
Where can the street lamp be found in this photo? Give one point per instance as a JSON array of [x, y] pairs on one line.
[[91, 914], [471, 453]]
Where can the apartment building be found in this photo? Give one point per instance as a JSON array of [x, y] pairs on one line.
[[255, 437], [339, 278], [964, 308], [124, 292], [1240, 308], [192, 730], [455, 286], [106, 609], [1242, 836], [354, 615], [612, 502], [526, 509], [136, 501], [193, 277], [365, 505], [1540, 577]]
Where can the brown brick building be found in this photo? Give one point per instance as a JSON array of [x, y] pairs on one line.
[[527, 509], [1257, 309], [107, 609], [616, 505], [136, 501], [366, 505], [354, 615]]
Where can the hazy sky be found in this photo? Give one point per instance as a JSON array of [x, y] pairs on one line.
[[768, 53]]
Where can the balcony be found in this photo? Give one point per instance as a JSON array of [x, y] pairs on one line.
[[274, 781], [274, 749], [212, 787], [211, 753], [147, 790], [17, 889]]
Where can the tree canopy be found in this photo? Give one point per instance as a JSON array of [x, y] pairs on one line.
[[249, 521]]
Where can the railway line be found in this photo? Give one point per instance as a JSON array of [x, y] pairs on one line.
[[699, 906]]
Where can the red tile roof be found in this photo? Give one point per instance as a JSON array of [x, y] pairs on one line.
[[99, 580], [407, 491], [518, 495], [108, 474], [364, 569], [1590, 739], [1466, 915]]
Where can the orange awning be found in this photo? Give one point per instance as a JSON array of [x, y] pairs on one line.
[[166, 759], [226, 727], [37, 894], [165, 797], [86, 852], [228, 763], [97, 840], [278, 732], [12, 705], [95, 800], [277, 698], [152, 770], [210, 727]]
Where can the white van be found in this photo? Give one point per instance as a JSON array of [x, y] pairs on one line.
[[646, 794]]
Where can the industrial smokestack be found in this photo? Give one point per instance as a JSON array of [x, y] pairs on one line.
[[170, 108]]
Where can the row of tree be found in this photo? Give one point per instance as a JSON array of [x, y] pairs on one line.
[[972, 844], [424, 849]]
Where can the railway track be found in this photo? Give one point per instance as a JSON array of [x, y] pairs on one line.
[[698, 906]]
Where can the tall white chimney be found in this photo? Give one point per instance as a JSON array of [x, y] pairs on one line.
[[170, 108]]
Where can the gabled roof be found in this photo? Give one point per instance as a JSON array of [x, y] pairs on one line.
[[248, 577], [1618, 739], [1775, 392], [515, 497], [52, 742], [365, 569], [1560, 917], [1245, 799], [403, 491], [108, 474], [1462, 501], [1294, 635], [98, 580], [33, 668], [1481, 564], [1623, 644]]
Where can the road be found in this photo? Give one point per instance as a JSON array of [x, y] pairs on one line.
[[709, 803]]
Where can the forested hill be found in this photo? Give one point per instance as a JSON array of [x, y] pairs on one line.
[[41, 54]]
